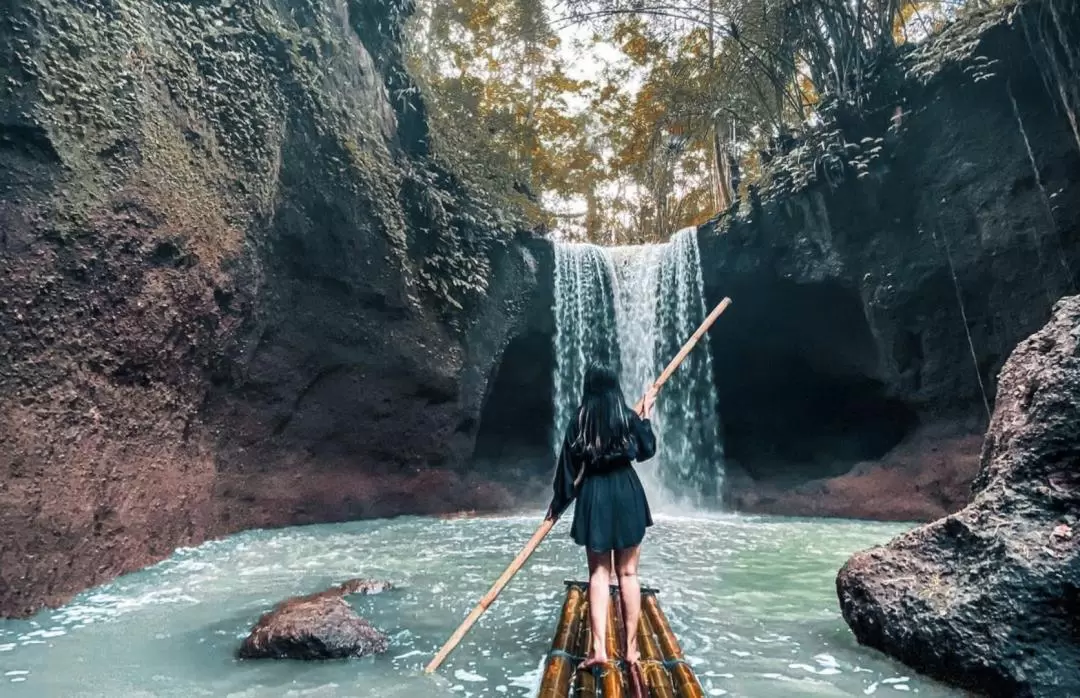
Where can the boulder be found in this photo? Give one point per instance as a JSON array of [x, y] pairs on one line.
[[988, 599], [317, 626]]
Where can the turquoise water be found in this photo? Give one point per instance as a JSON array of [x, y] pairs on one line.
[[751, 599]]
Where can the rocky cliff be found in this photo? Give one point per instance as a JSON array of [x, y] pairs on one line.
[[876, 301], [989, 598], [236, 288]]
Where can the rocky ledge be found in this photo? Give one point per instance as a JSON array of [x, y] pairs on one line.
[[318, 626], [988, 599]]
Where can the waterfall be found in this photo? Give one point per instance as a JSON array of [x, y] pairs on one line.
[[634, 307]]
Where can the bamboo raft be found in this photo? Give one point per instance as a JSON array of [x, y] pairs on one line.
[[663, 668]]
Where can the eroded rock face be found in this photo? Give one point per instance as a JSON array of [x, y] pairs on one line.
[[874, 310], [924, 478], [317, 626], [220, 301], [989, 598]]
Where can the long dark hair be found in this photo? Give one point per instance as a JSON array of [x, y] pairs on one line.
[[603, 421]]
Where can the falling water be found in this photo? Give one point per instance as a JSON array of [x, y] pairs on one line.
[[657, 304], [585, 328]]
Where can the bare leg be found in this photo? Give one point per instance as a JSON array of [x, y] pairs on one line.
[[599, 595], [626, 564]]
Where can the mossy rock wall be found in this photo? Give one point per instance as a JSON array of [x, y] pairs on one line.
[[235, 287]]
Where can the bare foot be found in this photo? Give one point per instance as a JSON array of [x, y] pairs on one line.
[[593, 660], [632, 655]]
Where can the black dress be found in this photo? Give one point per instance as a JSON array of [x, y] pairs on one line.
[[612, 512]]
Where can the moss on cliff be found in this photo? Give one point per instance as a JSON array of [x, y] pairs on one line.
[[227, 260], [237, 78]]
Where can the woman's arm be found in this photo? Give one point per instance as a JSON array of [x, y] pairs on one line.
[[645, 438], [565, 485]]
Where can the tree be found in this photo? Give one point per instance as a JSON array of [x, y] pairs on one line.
[[654, 139]]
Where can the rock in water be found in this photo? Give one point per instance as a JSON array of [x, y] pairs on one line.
[[319, 626], [989, 598]]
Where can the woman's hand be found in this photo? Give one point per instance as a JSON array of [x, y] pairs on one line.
[[648, 403]]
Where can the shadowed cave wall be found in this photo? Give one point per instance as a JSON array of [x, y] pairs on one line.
[[513, 442], [795, 368], [516, 423]]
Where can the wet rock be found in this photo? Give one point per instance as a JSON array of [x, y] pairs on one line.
[[988, 599], [923, 478], [317, 626]]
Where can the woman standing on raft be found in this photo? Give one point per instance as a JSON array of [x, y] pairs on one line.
[[603, 440]]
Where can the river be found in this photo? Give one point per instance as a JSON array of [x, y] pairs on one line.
[[751, 599]]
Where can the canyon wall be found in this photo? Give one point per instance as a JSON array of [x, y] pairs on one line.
[[875, 306], [236, 288], [987, 598]]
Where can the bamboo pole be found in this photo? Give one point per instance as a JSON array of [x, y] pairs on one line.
[[682, 676], [611, 681], [687, 348], [634, 680], [652, 663], [586, 682], [611, 676], [546, 526], [566, 631], [559, 669], [614, 628], [489, 597]]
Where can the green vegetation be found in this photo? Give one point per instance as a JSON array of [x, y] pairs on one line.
[[621, 121], [617, 121]]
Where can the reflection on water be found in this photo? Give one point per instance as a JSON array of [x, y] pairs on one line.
[[751, 599]]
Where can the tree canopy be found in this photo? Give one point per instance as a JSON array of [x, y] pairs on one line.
[[621, 121]]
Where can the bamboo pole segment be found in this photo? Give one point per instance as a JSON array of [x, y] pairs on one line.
[[652, 663], [669, 646], [650, 651], [566, 631], [611, 681], [489, 597], [682, 676], [559, 668], [585, 686], [614, 647], [634, 680], [546, 526], [611, 677], [619, 649], [687, 348], [580, 645]]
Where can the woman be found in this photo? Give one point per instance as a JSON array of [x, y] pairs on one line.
[[603, 440]]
